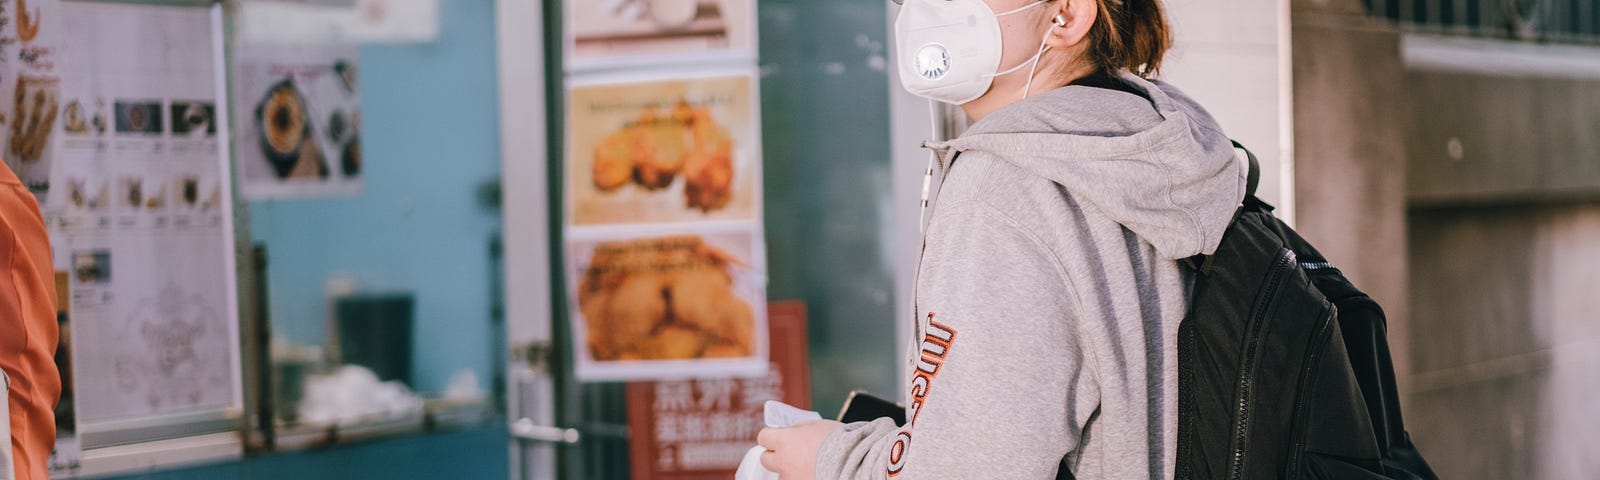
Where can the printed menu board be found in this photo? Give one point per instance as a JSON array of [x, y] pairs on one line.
[[141, 219]]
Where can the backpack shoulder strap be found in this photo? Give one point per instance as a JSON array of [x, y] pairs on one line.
[[1252, 182], [1253, 178]]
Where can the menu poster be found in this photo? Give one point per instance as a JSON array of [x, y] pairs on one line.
[[611, 33], [142, 228], [653, 150], [662, 182], [30, 98], [298, 117], [701, 429], [674, 305]]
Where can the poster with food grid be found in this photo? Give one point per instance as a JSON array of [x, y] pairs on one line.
[[141, 224]]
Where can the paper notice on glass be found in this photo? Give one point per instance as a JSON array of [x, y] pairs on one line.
[[143, 228], [668, 305], [653, 149], [298, 120], [619, 33]]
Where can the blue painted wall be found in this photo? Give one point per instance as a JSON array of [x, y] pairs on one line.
[[430, 124], [431, 134]]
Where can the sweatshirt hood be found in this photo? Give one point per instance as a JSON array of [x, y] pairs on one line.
[[1161, 167]]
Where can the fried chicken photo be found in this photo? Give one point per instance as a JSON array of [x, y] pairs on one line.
[[663, 148], [708, 172], [703, 298], [673, 343], [613, 160], [659, 147], [666, 298], [636, 308]]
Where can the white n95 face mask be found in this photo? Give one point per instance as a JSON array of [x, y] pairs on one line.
[[950, 50]]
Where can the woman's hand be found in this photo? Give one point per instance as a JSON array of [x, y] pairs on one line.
[[792, 452]]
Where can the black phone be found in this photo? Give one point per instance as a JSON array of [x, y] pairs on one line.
[[865, 407]]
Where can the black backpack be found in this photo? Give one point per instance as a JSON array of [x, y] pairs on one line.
[[1283, 365]]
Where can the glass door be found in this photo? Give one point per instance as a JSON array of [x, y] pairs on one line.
[[823, 227]]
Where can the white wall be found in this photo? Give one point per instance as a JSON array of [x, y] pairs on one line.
[[1233, 57]]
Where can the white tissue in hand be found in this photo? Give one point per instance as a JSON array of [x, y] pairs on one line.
[[778, 415], [783, 415], [750, 468]]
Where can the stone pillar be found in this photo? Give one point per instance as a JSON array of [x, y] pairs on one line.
[[1349, 121]]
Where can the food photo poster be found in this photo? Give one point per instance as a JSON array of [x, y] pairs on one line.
[[298, 117], [663, 149], [679, 303], [604, 34]]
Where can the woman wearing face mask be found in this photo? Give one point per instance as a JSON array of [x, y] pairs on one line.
[[1049, 291]]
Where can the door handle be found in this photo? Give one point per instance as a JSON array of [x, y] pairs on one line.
[[536, 355], [526, 430]]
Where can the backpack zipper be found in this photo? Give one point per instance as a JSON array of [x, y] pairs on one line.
[[1307, 385], [1185, 401], [1241, 426], [1317, 266]]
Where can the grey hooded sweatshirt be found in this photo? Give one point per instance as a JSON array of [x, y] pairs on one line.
[[1049, 291]]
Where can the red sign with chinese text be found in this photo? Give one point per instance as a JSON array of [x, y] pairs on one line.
[[701, 429]]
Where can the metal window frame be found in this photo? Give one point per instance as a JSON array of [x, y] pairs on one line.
[[1545, 21]]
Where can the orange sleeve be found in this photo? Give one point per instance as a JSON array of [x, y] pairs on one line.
[[28, 329]]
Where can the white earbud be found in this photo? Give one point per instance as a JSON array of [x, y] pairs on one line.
[[1061, 21]]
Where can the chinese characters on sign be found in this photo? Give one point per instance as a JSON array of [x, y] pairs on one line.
[[700, 429]]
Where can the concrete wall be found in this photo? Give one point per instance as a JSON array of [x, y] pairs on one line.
[[1502, 122], [1349, 150], [1508, 341], [1505, 245]]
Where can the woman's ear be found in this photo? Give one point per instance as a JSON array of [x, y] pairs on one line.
[[1072, 21]]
